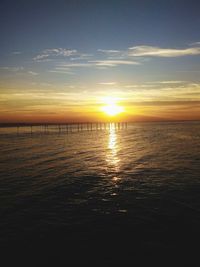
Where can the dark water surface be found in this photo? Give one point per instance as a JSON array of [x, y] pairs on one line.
[[108, 197]]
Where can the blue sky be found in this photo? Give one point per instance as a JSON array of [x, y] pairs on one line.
[[70, 54]]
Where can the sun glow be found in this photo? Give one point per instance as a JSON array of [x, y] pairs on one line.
[[112, 108]]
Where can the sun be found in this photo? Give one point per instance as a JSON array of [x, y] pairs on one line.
[[112, 108]]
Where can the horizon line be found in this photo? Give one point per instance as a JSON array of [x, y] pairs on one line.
[[24, 124]]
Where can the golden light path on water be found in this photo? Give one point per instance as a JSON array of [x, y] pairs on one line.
[[112, 156]]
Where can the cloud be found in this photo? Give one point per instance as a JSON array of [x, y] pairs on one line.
[[113, 63], [61, 72], [40, 57], [195, 43], [161, 90], [82, 56], [167, 82], [97, 63], [137, 86], [154, 51], [55, 52], [109, 51], [14, 69], [61, 52], [16, 52], [107, 83], [33, 73], [165, 103], [74, 65]]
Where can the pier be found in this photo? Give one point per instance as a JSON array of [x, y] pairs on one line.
[[71, 127]]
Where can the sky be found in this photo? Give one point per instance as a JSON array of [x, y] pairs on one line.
[[60, 60]]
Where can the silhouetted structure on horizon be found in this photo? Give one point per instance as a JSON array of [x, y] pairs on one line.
[[72, 127]]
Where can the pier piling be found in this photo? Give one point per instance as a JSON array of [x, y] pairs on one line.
[[73, 127]]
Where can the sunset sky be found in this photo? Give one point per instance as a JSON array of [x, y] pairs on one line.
[[60, 60]]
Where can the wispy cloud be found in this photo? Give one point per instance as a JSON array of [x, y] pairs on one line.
[[14, 69], [97, 63], [186, 103], [61, 71], [74, 65], [138, 86], [33, 73], [41, 57], [61, 52], [107, 83], [151, 51], [19, 70], [16, 52], [154, 51], [55, 52], [82, 56], [113, 63], [195, 43], [167, 82], [109, 51]]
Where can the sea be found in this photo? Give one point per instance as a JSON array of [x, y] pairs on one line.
[[110, 196]]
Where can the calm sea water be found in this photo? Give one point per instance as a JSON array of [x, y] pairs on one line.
[[101, 196]]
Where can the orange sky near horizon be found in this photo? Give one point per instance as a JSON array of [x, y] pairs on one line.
[[138, 111], [155, 101]]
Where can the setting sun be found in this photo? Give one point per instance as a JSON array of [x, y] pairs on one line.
[[112, 108]]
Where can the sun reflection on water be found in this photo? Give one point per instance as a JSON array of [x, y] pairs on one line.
[[112, 155]]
